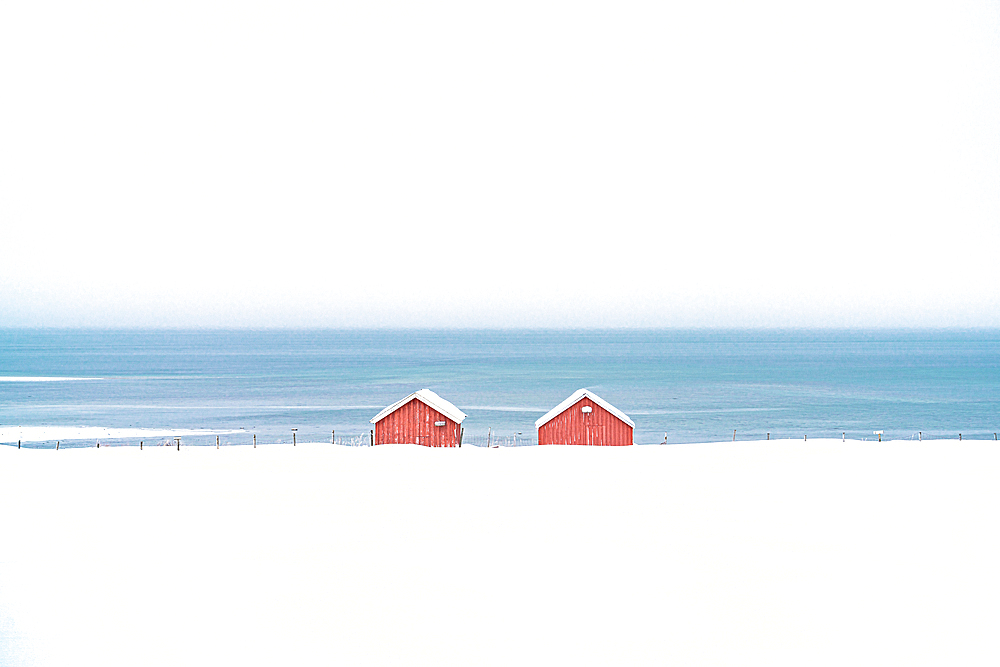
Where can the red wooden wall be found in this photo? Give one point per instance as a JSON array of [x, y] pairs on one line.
[[573, 427], [413, 423]]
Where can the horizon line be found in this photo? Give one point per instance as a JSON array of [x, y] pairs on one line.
[[873, 327]]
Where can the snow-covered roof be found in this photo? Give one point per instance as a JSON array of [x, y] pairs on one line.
[[575, 398], [427, 397]]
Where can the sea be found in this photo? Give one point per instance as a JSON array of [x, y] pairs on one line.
[[678, 386]]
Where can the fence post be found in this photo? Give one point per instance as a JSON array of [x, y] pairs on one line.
[[140, 445], [371, 443], [293, 436], [333, 437], [461, 435], [734, 435], [255, 441], [960, 437], [768, 435], [216, 442], [843, 436], [19, 444], [920, 436], [57, 444], [807, 438]]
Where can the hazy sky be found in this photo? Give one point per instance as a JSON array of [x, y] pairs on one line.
[[506, 163]]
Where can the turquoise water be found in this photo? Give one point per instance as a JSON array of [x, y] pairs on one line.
[[691, 385]]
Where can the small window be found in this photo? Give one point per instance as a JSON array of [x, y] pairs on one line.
[[586, 409], [440, 423]]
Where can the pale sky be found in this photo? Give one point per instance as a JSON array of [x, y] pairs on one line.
[[497, 164]]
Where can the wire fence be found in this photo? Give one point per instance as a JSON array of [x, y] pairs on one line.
[[492, 440], [488, 440], [496, 440], [362, 440], [250, 439]]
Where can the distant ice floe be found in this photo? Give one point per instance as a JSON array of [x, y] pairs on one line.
[[504, 408], [40, 378], [10, 434]]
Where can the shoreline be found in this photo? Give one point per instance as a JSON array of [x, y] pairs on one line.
[[69, 434]]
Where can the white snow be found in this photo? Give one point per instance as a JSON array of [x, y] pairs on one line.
[[768, 553], [428, 397], [49, 433], [577, 396]]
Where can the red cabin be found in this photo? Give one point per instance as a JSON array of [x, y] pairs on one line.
[[585, 419], [422, 418]]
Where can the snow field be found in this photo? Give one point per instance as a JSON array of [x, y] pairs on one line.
[[778, 552]]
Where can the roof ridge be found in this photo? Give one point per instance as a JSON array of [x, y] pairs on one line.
[[428, 398], [575, 398]]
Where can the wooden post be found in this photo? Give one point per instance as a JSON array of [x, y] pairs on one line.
[[489, 437], [372, 434], [880, 437], [216, 442], [333, 437], [843, 436], [734, 435], [98, 444], [960, 437], [140, 446], [768, 435], [255, 441], [57, 444], [293, 436], [807, 437], [920, 435], [178, 443], [461, 435], [19, 444]]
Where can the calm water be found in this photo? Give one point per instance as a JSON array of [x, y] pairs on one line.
[[691, 385]]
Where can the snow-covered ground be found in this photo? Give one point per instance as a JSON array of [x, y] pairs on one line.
[[771, 553]]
